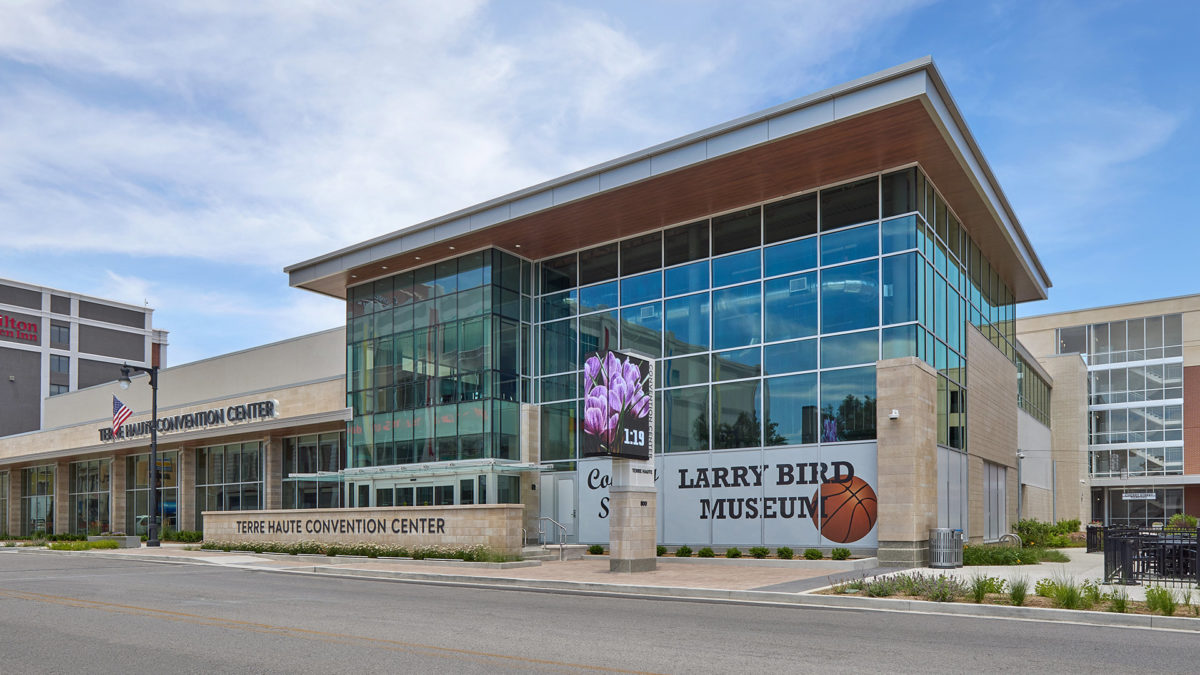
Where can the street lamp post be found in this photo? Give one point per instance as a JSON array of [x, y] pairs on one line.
[[152, 520]]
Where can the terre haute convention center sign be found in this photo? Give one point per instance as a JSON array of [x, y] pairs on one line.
[[215, 417]]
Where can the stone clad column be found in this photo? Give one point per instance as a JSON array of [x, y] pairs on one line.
[[116, 487], [907, 459], [186, 503], [531, 453], [633, 520], [14, 525], [273, 473], [62, 503]]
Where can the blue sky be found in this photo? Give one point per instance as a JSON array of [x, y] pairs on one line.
[[182, 154]]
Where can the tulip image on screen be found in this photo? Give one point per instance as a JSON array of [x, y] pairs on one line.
[[618, 392]]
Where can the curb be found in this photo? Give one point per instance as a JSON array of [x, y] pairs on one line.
[[1106, 619]]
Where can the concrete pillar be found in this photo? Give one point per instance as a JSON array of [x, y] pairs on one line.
[[531, 453], [15, 525], [186, 504], [907, 459], [633, 519], [272, 473], [116, 487], [62, 503]]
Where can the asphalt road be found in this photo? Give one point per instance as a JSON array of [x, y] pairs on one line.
[[77, 614]]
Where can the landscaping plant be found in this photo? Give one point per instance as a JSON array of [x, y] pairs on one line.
[[784, 553], [760, 552], [705, 552], [683, 552], [1018, 588], [596, 549], [813, 554], [839, 553], [734, 552]]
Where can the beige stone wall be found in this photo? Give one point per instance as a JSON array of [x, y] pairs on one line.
[[62, 503], [273, 468], [15, 491], [907, 459], [116, 483], [1068, 434], [496, 526], [294, 402], [187, 489], [531, 453], [991, 426], [633, 527]]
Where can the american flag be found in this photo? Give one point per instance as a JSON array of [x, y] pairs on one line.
[[121, 412]]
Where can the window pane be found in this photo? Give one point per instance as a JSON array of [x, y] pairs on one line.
[[736, 364], [792, 416], [850, 297], [593, 298], [470, 271], [1072, 340], [558, 431], [641, 254], [900, 341], [559, 346], [790, 218], [559, 273], [736, 231], [686, 243], [640, 289], [641, 329], [790, 257], [735, 268], [737, 316], [899, 288], [860, 242], [789, 357], [685, 419], [598, 264], [849, 204], [687, 279], [687, 324], [736, 411], [900, 234], [597, 332], [791, 307], [848, 404], [899, 192], [850, 349], [684, 371]]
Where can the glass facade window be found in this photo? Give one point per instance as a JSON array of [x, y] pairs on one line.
[[228, 478], [1135, 393], [429, 387], [776, 305], [306, 458], [1033, 393], [89, 496], [37, 500], [137, 492]]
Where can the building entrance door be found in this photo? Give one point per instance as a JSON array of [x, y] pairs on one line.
[[558, 502]]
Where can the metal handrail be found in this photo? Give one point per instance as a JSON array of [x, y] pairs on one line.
[[562, 536]]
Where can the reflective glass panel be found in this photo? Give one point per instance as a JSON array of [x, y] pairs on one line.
[[791, 306]]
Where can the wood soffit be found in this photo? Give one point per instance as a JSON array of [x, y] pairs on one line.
[[883, 139]]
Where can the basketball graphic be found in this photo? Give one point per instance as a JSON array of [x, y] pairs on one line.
[[850, 509]]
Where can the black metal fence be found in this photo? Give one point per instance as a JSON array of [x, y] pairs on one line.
[[1095, 538], [1155, 554]]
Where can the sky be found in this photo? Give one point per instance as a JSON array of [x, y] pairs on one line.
[[181, 154]]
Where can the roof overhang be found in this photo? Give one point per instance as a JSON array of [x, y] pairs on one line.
[[897, 117]]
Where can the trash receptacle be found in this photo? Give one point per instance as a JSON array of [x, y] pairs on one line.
[[945, 548]]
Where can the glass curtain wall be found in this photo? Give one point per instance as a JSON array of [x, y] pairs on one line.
[[767, 322], [1135, 394], [228, 478], [438, 361], [303, 458], [89, 496], [37, 499], [137, 491], [1033, 392]]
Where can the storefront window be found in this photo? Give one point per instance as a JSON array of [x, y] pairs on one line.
[[137, 491], [306, 458], [89, 496], [37, 500], [228, 478]]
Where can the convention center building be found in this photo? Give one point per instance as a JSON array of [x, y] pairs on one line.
[[826, 288]]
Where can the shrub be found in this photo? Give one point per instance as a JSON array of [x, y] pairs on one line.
[[784, 553], [1067, 526], [813, 554], [596, 549], [943, 589], [683, 552], [1033, 532], [1119, 601], [1050, 555], [661, 550], [760, 552], [881, 587], [1044, 588], [705, 552], [1182, 520], [1018, 588], [183, 536], [1067, 594], [734, 552], [839, 553], [1159, 599], [81, 545], [1091, 592], [982, 585]]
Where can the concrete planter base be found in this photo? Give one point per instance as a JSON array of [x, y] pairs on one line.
[[122, 541]]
